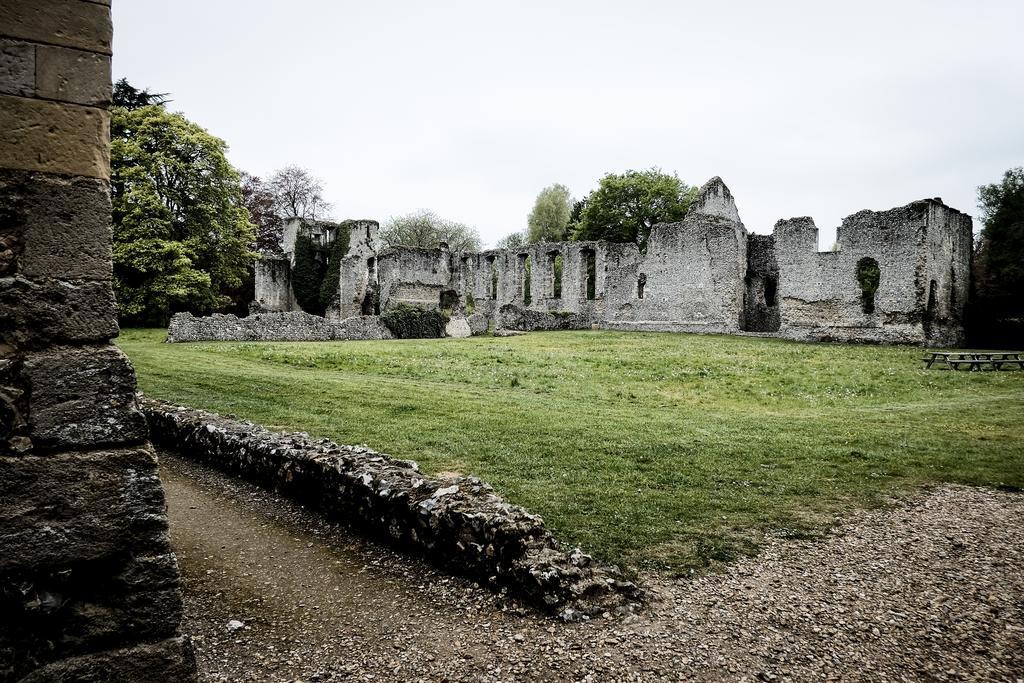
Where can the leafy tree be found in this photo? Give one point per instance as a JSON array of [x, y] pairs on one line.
[[297, 192], [260, 203], [513, 240], [181, 234], [426, 229], [549, 218], [626, 206], [127, 96], [997, 305]]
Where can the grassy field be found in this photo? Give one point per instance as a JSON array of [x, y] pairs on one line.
[[663, 450]]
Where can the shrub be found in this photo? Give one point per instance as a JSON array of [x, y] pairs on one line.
[[409, 322]]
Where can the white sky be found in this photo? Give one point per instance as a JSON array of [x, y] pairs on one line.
[[470, 108]]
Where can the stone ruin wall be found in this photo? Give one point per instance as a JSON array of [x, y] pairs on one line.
[[88, 583], [457, 522], [706, 273]]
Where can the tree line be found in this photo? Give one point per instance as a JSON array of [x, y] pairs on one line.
[[188, 226]]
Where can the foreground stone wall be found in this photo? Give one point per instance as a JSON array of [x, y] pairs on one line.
[[459, 522], [88, 584]]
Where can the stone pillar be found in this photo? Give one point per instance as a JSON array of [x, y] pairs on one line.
[[88, 583]]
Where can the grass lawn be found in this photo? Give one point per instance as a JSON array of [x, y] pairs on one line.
[[664, 450]]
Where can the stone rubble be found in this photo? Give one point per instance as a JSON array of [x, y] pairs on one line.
[[459, 523]]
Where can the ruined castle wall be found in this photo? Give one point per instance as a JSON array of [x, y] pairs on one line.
[[702, 274], [274, 284], [358, 271], [760, 300], [946, 278], [88, 583], [414, 276], [820, 297], [692, 272]]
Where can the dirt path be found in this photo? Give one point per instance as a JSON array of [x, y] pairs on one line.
[[933, 590]]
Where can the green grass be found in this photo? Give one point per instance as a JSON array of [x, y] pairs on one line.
[[663, 450]]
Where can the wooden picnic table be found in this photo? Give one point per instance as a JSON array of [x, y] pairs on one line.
[[975, 360]]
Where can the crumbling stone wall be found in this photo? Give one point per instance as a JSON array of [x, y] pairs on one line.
[[820, 297], [357, 274], [761, 285], [459, 522], [706, 274], [283, 326], [88, 584]]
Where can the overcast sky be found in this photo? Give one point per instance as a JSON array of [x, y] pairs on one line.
[[470, 108]]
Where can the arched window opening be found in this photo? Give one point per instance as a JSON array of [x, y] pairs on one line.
[[590, 262], [555, 266], [525, 260], [641, 283], [869, 276]]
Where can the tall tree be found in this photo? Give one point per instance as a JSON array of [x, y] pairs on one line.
[[297, 192], [259, 201], [549, 218], [128, 96], [625, 206], [513, 240], [426, 229], [997, 306], [181, 233]]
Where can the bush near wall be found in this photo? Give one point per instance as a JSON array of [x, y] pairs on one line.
[[409, 322]]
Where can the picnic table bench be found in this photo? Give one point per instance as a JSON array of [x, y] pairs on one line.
[[975, 360]]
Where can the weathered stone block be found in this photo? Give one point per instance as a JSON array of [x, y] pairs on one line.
[[168, 660], [55, 227], [72, 75], [33, 313], [54, 137], [72, 508], [83, 25], [17, 68], [82, 397], [458, 328]]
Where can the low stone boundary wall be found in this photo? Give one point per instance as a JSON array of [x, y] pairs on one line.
[[512, 317], [288, 326], [459, 523]]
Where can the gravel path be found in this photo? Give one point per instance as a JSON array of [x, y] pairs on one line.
[[933, 590]]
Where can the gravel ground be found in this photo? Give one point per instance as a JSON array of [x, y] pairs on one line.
[[931, 590]]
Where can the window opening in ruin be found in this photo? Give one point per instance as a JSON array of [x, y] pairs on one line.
[[641, 283], [932, 305], [868, 275], [556, 264], [525, 259], [771, 291], [494, 277], [590, 257], [367, 233], [449, 300], [370, 265]]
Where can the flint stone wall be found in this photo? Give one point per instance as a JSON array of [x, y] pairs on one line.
[[706, 273], [88, 583], [459, 523], [290, 326]]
